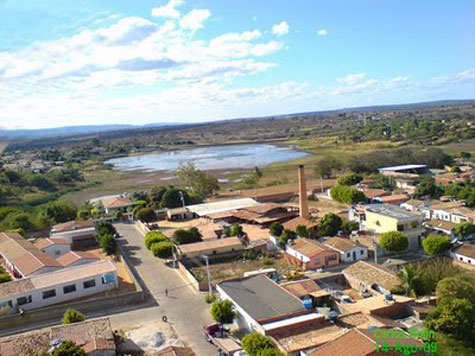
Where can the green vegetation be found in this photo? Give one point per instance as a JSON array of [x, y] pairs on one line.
[[146, 215], [410, 280], [223, 312], [462, 190], [276, 229], [285, 237], [348, 195], [67, 348], [4, 275], [455, 317], [348, 226], [162, 249], [327, 166], [182, 236], [72, 316], [394, 241], [234, 230], [105, 237], [465, 229], [329, 225], [153, 237], [426, 188], [201, 183], [457, 287], [210, 298], [302, 231], [256, 344], [349, 179], [436, 244]]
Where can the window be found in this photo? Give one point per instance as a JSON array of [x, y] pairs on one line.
[[348, 255], [24, 300], [69, 289], [400, 228], [57, 252], [361, 252], [89, 284], [108, 278], [49, 294], [414, 224]]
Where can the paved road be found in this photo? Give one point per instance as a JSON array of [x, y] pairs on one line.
[[185, 309]]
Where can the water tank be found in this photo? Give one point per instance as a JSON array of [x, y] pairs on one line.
[[307, 303], [389, 297]]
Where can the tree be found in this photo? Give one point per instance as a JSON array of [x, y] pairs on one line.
[[154, 237], [236, 230], [325, 167], [182, 236], [108, 244], [329, 225], [453, 316], [455, 169], [60, 211], [349, 179], [67, 348], [465, 229], [285, 237], [465, 155], [301, 230], [457, 287], [348, 195], [72, 316], [348, 226], [83, 214], [271, 352], [276, 229], [410, 280], [18, 221], [223, 312], [162, 249], [155, 196], [254, 344], [172, 198], [146, 215], [436, 244], [198, 181], [394, 241], [427, 188]]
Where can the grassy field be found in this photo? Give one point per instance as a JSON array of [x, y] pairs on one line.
[[3, 145], [456, 148]]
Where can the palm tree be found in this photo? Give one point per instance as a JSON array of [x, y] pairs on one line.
[[409, 277]]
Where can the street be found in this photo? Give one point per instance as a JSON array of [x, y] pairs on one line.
[[185, 309]]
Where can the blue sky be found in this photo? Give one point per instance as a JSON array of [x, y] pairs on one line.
[[122, 61]]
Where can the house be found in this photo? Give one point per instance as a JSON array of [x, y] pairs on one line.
[[349, 251], [94, 336], [262, 305], [53, 247], [229, 245], [77, 233], [307, 289], [179, 214], [357, 342], [116, 204], [209, 209], [443, 211], [77, 258], [365, 276], [23, 259], [310, 254], [441, 227], [57, 287], [464, 253], [416, 205], [381, 218], [462, 214], [374, 193], [396, 199]]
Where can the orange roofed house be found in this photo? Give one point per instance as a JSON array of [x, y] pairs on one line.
[[310, 254]]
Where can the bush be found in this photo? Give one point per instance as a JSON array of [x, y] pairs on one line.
[[349, 179], [349, 226], [72, 316], [223, 312], [162, 249], [154, 237], [254, 344], [276, 229], [67, 348], [267, 261], [436, 244], [146, 215], [108, 244], [329, 225], [454, 317], [210, 298], [285, 237], [182, 236], [465, 229], [5, 277], [348, 195], [301, 230], [459, 287], [394, 241]]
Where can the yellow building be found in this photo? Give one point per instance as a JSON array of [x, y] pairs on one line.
[[381, 218]]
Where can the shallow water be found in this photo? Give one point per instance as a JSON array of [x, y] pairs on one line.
[[209, 158]]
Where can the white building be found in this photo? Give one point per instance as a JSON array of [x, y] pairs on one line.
[[57, 287], [77, 233], [349, 250], [464, 253], [53, 247]]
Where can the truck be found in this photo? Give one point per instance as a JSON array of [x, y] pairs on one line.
[[222, 339]]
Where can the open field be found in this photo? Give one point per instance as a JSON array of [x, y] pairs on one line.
[[3, 145], [457, 147]]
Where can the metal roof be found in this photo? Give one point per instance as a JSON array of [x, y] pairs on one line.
[[403, 167], [391, 211], [260, 297], [221, 206]]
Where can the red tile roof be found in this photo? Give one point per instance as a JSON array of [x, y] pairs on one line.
[[73, 225], [42, 243], [73, 256], [309, 248], [116, 202]]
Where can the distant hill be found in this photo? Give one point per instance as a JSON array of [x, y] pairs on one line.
[[69, 131]]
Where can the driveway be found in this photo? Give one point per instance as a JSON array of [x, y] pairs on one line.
[[185, 309]]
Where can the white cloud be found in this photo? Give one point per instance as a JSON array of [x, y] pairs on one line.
[[194, 20], [169, 10], [280, 29], [351, 79], [322, 32]]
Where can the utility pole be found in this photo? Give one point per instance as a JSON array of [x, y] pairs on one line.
[[210, 285], [182, 197], [321, 184]]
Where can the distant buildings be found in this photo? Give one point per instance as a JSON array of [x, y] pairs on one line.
[[311, 254]]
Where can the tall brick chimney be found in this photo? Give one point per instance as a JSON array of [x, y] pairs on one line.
[[303, 202]]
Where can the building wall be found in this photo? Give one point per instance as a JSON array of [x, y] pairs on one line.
[[360, 252], [441, 215], [57, 250], [39, 302], [215, 251], [323, 259], [463, 258], [70, 235]]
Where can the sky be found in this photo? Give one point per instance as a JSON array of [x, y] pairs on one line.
[[90, 62]]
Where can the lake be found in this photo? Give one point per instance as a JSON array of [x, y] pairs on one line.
[[209, 158]]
